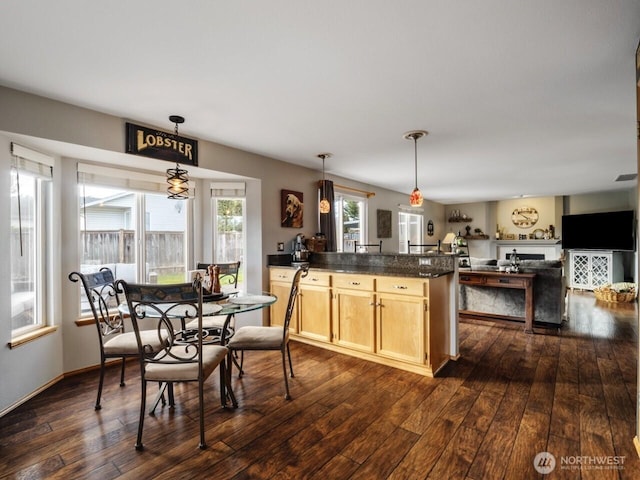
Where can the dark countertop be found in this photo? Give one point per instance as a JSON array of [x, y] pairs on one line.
[[369, 270]]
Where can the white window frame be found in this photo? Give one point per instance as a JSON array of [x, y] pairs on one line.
[[229, 191], [339, 197], [139, 184], [39, 167], [404, 227]]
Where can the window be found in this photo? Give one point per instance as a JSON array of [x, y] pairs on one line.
[[229, 208], [141, 235], [31, 197], [229, 230], [351, 215], [409, 229]]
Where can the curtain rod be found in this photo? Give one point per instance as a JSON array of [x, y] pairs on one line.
[[351, 189]]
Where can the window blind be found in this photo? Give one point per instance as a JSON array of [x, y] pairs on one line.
[[125, 179], [228, 189], [31, 161]]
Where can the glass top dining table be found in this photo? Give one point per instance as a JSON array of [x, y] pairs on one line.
[[228, 305]]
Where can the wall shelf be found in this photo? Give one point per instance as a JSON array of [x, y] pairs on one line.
[[554, 241]]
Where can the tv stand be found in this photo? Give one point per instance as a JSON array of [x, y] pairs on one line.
[[589, 269]]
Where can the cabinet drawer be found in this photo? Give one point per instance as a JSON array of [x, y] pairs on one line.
[[281, 274], [319, 279], [353, 282], [471, 279], [407, 286], [506, 281]]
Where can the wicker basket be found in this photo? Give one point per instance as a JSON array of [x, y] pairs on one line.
[[617, 292]]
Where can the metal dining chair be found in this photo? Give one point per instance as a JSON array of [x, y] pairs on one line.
[[365, 246], [182, 359], [228, 276], [102, 296], [228, 272], [268, 338]]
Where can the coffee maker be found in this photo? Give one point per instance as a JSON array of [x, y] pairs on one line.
[[300, 252]]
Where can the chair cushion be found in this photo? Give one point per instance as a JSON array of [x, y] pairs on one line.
[[126, 344], [212, 355], [208, 322], [256, 338]]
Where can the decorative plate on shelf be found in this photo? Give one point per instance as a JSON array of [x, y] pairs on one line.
[[538, 234]]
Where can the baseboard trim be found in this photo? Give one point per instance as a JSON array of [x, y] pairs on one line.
[[52, 382], [31, 395]]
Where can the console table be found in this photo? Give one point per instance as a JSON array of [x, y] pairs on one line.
[[521, 281]]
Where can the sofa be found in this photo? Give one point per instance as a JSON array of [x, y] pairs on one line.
[[549, 291]]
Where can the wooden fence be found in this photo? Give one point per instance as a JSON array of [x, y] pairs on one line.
[[164, 250]]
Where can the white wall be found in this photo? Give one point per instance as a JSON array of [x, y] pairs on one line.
[[26, 368]]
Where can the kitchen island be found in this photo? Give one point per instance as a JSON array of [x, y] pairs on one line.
[[392, 309]]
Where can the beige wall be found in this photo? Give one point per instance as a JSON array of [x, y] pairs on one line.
[[75, 134], [54, 126], [601, 202], [487, 215]]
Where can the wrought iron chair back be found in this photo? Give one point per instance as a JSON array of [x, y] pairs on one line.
[[228, 272], [157, 305], [366, 246], [102, 295]]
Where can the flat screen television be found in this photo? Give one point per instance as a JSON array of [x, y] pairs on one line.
[[599, 231]]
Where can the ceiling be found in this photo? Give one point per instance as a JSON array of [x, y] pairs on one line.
[[529, 98]]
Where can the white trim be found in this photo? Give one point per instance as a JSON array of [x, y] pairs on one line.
[[410, 209], [127, 179], [29, 154], [101, 171], [228, 189], [28, 160]]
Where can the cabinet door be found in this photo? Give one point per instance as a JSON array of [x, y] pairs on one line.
[[600, 269], [580, 266], [279, 309], [401, 327], [314, 313], [353, 319]]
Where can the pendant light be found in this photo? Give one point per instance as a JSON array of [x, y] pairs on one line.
[[177, 178], [415, 199], [325, 206]]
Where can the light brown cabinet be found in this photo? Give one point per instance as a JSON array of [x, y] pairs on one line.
[[398, 321], [314, 307], [401, 327], [354, 312]]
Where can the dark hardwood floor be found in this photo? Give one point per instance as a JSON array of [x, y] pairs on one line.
[[509, 397]]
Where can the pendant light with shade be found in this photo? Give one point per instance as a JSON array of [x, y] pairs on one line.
[[177, 178], [325, 206], [415, 199]]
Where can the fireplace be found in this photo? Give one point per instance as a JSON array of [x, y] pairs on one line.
[[526, 256], [529, 249]]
